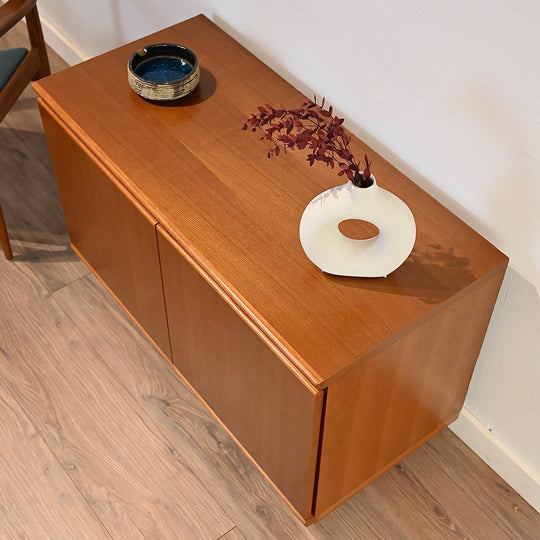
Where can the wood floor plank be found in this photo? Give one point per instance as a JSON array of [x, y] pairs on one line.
[[420, 511], [133, 479], [510, 511], [233, 534], [53, 507], [86, 401], [242, 491], [431, 497], [453, 512], [245, 495], [399, 507]]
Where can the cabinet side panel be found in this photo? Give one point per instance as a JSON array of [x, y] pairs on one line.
[[114, 236], [273, 414], [401, 395]]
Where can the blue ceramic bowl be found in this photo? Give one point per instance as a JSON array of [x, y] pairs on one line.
[[163, 71]]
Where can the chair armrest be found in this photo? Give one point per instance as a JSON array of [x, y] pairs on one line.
[[12, 12]]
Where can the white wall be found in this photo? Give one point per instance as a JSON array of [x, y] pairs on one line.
[[447, 91]]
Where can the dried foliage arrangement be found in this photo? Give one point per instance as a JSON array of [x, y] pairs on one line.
[[314, 128]]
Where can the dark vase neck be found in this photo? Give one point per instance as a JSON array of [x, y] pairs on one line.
[[359, 181]]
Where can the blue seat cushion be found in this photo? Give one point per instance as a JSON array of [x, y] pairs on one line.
[[9, 62]]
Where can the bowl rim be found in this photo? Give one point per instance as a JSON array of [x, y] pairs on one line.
[[188, 55]]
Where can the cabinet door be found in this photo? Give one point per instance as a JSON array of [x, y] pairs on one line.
[[111, 232], [270, 411]]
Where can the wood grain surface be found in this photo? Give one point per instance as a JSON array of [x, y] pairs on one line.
[[214, 457], [417, 499], [233, 534], [401, 395], [272, 413], [52, 508], [122, 465], [252, 328], [115, 236], [210, 185]]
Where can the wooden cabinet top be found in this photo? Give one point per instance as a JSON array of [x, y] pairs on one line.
[[236, 213]]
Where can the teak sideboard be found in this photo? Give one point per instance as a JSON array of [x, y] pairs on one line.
[[324, 381]]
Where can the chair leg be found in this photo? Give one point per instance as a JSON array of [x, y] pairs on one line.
[[35, 33], [4, 238]]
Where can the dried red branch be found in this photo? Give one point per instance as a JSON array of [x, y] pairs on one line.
[[314, 128]]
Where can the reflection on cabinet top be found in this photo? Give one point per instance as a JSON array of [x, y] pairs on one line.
[[236, 213]]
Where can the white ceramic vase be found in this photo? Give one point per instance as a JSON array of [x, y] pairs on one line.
[[335, 253]]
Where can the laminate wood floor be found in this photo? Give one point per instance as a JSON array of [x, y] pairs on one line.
[[100, 439]]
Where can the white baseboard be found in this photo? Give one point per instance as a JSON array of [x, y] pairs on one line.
[[481, 441], [60, 43]]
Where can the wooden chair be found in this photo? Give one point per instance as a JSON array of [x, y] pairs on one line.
[[18, 67]]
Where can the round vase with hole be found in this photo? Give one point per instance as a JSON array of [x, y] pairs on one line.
[[333, 252]]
